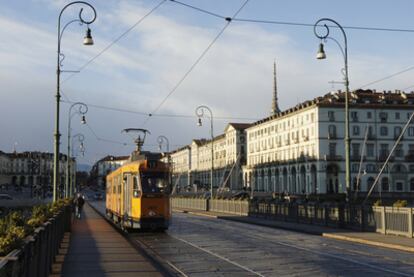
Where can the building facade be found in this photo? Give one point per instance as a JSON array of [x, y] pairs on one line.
[[302, 151], [192, 164], [5, 169], [104, 166], [33, 169]]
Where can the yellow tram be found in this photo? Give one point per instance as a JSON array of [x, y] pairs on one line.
[[137, 194]]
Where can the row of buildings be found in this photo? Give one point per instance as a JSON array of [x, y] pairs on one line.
[[33, 169], [301, 150]]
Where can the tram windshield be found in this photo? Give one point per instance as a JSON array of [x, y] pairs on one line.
[[154, 182]]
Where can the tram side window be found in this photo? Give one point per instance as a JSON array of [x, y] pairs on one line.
[[135, 187]]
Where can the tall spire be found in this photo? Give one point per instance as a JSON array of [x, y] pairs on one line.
[[275, 105]]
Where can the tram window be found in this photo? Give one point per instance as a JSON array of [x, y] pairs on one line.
[[135, 187], [153, 183]]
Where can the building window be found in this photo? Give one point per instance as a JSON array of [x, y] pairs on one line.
[[332, 149], [412, 184], [370, 168], [383, 150], [355, 167], [383, 117], [355, 150], [370, 150], [332, 131], [369, 115], [355, 130], [331, 115], [397, 115], [354, 116], [397, 131], [411, 131], [384, 131], [399, 186], [399, 151], [384, 184], [411, 149]]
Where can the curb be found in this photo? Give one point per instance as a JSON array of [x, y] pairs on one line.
[[298, 230], [369, 242]]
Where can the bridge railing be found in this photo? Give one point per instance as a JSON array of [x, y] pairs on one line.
[[238, 207], [36, 256], [385, 220]]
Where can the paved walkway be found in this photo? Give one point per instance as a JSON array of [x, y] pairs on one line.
[[96, 249], [369, 238]]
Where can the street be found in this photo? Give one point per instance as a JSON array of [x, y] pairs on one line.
[[204, 246]]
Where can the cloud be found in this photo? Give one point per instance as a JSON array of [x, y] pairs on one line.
[[235, 78]]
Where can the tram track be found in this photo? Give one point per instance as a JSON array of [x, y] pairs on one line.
[[156, 242], [182, 253]]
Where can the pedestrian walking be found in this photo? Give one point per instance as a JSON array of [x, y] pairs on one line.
[[79, 202]]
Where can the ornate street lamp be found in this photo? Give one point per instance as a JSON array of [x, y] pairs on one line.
[[161, 140], [321, 55], [87, 41], [80, 138], [200, 113], [82, 110]]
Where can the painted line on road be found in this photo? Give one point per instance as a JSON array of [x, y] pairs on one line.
[[219, 256], [364, 241]]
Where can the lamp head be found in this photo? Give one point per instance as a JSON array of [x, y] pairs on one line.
[[83, 120], [321, 53], [87, 40], [199, 123]]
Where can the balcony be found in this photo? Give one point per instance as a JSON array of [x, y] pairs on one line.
[[332, 136], [383, 158], [332, 158], [409, 157], [355, 157]]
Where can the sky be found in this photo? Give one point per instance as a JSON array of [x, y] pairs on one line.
[[134, 76]]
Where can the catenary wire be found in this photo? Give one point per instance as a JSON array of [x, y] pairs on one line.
[[289, 23], [156, 115], [116, 40], [196, 62]]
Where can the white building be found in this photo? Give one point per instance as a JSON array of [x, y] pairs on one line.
[[192, 164], [104, 166], [301, 150]]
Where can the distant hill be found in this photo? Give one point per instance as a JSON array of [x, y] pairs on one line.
[[84, 167]]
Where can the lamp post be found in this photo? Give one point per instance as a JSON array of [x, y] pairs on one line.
[[321, 55], [161, 140], [200, 113], [81, 138], [87, 41], [83, 109]]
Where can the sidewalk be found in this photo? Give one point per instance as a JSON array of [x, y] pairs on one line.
[[368, 238], [97, 249]]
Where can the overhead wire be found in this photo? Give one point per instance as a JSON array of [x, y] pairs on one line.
[[290, 23], [116, 40], [228, 19], [156, 115]]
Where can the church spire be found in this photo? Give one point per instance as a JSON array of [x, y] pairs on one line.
[[275, 105]]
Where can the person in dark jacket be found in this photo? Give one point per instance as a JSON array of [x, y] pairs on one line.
[[79, 202]]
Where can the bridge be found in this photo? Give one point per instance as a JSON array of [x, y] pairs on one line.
[[207, 243]]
